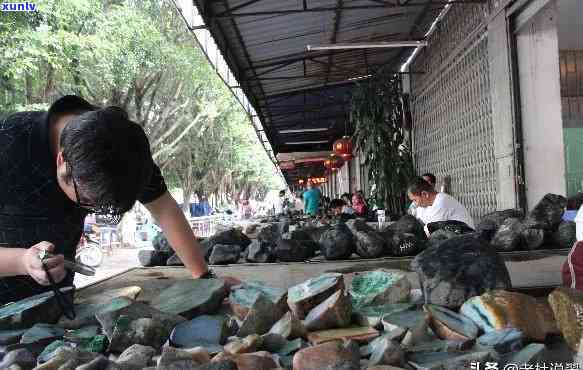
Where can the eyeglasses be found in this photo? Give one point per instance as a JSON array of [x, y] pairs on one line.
[[89, 207]]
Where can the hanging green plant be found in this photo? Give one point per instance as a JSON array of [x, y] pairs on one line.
[[377, 115]]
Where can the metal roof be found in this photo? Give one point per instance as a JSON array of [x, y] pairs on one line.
[[287, 88]]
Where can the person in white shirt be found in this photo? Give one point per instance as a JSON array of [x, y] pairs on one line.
[[433, 206]]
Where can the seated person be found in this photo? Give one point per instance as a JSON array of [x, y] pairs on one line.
[[433, 206], [346, 197], [337, 210], [359, 204], [431, 179]]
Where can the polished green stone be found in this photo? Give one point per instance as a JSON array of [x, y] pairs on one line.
[[192, 297]]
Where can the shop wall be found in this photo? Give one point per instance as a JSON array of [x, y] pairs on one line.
[[453, 130]]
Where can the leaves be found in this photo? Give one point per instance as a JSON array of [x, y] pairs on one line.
[[138, 55], [376, 112]]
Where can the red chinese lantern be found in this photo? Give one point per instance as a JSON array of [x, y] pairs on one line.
[[343, 148], [333, 163]]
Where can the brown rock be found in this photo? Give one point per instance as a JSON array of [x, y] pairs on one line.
[[328, 356], [137, 355], [567, 305], [250, 361], [500, 309], [145, 331], [303, 297], [101, 296], [361, 334], [67, 358], [250, 343], [196, 356], [334, 312], [289, 327]]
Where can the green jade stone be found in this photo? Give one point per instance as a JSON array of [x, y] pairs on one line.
[[366, 287], [313, 286]]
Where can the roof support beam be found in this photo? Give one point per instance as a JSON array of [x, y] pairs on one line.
[[346, 8]]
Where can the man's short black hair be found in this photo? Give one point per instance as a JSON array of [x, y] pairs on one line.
[[108, 156], [432, 178], [337, 203], [418, 184]]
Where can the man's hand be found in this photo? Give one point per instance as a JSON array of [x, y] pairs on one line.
[[33, 266]]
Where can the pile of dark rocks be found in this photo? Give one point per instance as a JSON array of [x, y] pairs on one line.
[[289, 240], [370, 321]]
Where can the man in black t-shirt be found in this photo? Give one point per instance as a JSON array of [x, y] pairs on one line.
[[59, 165]]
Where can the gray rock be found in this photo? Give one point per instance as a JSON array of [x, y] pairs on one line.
[[100, 363], [458, 269], [337, 243], [358, 225], [289, 250], [230, 236], [291, 347], [260, 252], [136, 355], [42, 331], [210, 332], [408, 225], [67, 358], [190, 298], [268, 234], [180, 359], [406, 244], [508, 237], [145, 331], [273, 342], [161, 244], [503, 341], [387, 352], [21, 357], [260, 318], [493, 221], [150, 257], [547, 214], [414, 322], [533, 238], [134, 311], [369, 244], [224, 254], [565, 236]]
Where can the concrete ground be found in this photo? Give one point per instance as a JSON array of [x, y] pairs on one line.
[[121, 260]]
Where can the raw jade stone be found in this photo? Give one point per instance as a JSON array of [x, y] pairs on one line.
[[82, 334], [225, 254], [242, 297], [51, 349], [210, 332], [85, 312], [371, 315], [414, 322], [11, 336], [260, 318], [503, 341], [334, 312], [193, 297], [567, 305], [379, 288], [448, 360], [289, 327], [20, 359], [395, 335], [137, 356], [134, 311], [450, 325], [387, 352], [531, 354], [357, 334], [97, 344], [291, 347], [41, 331], [145, 331], [302, 298], [41, 308]]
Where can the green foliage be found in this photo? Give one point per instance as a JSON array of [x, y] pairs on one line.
[[138, 55], [376, 112]]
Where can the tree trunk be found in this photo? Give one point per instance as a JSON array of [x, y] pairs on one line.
[[29, 89]]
